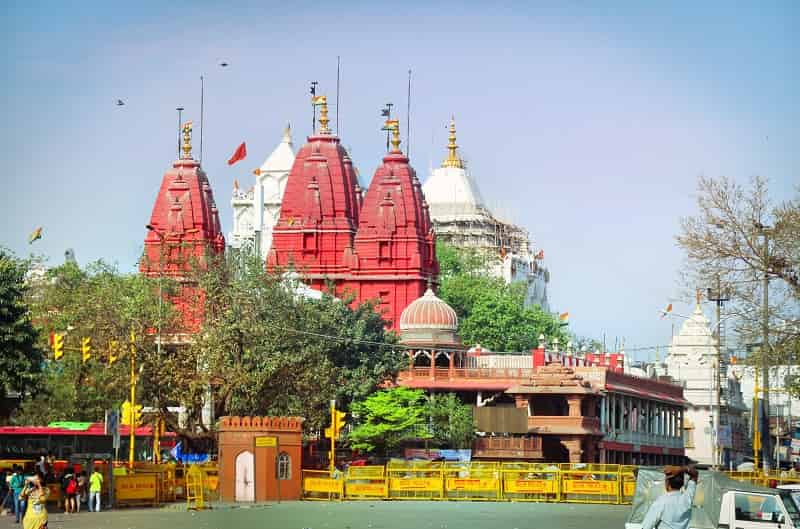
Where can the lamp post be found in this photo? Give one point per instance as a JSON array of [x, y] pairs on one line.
[[719, 298], [766, 444]]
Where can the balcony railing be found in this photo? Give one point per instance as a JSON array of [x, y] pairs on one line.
[[507, 447], [444, 373], [641, 438]]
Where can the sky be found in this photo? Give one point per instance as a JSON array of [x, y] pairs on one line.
[[586, 122]]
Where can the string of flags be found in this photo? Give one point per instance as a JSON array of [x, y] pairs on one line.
[[35, 235]]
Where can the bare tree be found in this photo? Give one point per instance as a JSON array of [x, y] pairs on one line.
[[741, 237]]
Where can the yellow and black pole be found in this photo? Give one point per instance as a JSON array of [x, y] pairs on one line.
[[333, 436], [132, 426]]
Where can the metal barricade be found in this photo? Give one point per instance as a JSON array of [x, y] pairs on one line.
[[590, 483], [472, 481], [365, 483], [627, 483], [320, 485], [195, 488], [531, 482], [415, 480]]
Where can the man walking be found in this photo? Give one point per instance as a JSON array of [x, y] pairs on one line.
[[673, 510], [95, 487]]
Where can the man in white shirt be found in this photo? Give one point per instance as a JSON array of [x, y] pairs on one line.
[[673, 510]]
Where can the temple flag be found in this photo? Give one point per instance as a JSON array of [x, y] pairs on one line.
[[563, 317], [35, 236], [666, 311], [540, 255], [240, 154]]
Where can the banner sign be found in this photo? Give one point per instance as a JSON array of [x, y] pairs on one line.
[[266, 442], [322, 485], [538, 486], [416, 484], [135, 487], [588, 486], [366, 489], [471, 484]]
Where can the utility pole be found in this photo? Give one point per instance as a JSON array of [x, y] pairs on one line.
[[719, 299], [766, 444]]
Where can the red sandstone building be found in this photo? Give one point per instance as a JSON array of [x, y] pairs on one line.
[[380, 248], [544, 405]]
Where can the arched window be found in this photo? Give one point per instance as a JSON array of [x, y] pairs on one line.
[[284, 466]]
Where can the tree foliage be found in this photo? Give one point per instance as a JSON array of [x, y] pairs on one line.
[[452, 422], [726, 240], [100, 303], [491, 312], [21, 356]]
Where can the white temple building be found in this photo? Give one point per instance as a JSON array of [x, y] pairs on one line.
[[692, 360], [255, 211], [461, 218]]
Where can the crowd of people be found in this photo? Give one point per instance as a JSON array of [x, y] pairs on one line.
[[25, 495]]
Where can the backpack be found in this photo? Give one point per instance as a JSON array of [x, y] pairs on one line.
[[72, 486]]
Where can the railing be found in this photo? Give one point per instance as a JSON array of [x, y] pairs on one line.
[[641, 438], [444, 373], [507, 447]]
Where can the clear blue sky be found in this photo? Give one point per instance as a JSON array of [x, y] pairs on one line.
[[587, 122]]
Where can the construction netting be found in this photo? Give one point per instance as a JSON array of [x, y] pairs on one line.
[[711, 486]]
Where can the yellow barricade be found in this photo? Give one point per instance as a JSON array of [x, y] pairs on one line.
[[414, 480], [531, 482], [627, 483], [365, 483], [471, 481], [590, 483], [137, 488], [319, 485], [195, 488]]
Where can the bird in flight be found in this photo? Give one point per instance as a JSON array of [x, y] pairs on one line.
[[120, 103], [224, 64]]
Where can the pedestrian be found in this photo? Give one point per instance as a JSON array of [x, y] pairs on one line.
[[17, 485], [35, 492], [95, 487], [673, 510], [83, 491], [71, 494], [41, 465]]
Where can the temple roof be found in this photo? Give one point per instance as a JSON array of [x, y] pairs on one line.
[[450, 190], [282, 158], [695, 337]]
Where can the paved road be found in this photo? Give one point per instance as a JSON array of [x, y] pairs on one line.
[[354, 515]]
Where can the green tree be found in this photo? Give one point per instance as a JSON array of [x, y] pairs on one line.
[[264, 349], [388, 418], [21, 356], [100, 303], [452, 422], [491, 312]]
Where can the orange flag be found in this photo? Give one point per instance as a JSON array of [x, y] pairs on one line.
[[239, 154]]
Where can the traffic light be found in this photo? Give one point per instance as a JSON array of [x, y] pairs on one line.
[[86, 349], [338, 422], [126, 414], [113, 351], [58, 346]]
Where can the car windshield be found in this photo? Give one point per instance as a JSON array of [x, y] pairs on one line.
[[791, 499]]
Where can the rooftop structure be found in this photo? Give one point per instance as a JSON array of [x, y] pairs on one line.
[[461, 218]]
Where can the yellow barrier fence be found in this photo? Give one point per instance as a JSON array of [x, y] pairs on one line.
[[365, 483], [531, 482], [472, 481], [627, 483], [319, 485], [590, 483], [415, 480]]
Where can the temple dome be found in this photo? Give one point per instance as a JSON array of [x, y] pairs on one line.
[[429, 312]]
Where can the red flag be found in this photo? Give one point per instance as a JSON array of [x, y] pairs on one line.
[[240, 154]]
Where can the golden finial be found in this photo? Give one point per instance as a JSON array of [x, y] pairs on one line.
[[452, 159], [393, 125], [322, 103], [187, 140]]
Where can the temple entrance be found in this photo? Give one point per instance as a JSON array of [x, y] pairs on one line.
[[245, 490]]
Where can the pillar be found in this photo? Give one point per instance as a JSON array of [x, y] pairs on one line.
[[574, 403], [603, 415], [432, 356], [573, 446], [411, 363], [451, 367]]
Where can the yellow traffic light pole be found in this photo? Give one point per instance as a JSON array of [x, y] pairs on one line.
[[333, 437], [132, 426]]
